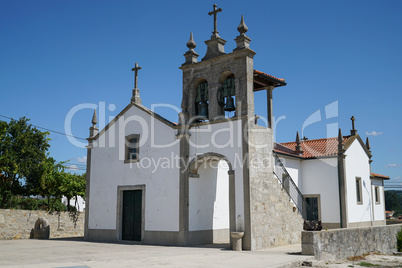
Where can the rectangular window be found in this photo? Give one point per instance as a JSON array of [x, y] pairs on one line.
[[132, 148], [359, 197], [377, 194]]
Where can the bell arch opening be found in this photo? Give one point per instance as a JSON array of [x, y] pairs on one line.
[[201, 101], [226, 94]]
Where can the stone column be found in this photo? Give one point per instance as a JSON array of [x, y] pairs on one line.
[[213, 106], [269, 106], [232, 202]]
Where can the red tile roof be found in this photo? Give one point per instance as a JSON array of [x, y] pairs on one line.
[[312, 148], [271, 76], [379, 176]]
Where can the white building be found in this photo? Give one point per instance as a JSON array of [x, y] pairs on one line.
[[198, 181], [334, 175], [78, 203]]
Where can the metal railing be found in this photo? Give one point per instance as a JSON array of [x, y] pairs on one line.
[[291, 188]]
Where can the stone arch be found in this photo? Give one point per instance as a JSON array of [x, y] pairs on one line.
[[224, 75], [199, 160]]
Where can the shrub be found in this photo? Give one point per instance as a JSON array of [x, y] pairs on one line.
[[399, 240], [30, 203]]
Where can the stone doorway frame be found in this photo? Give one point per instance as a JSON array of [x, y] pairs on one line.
[[119, 214]]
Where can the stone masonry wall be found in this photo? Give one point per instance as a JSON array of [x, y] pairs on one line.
[[275, 220], [339, 244], [17, 224]]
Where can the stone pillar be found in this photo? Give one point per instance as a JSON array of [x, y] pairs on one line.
[[93, 131], [342, 182], [184, 137], [213, 105], [232, 203], [269, 106]]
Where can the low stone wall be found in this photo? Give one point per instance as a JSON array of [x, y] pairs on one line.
[[339, 244], [17, 224]]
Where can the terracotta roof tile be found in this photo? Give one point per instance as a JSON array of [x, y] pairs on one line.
[[280, 79], [380, 176], [312, 148]]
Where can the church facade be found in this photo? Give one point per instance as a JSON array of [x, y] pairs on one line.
[[204, 179]]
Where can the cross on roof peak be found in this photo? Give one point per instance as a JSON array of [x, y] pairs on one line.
[[353, 131], [215, 12], [135, 70]]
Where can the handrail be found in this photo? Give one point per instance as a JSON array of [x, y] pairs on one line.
[[291, 188]]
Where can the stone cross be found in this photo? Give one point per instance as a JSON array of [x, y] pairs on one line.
[[215, 12], [353, 122], [135, 69]]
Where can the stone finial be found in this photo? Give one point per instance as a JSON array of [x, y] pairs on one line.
[[368, 143], [242, 41], [368, 148], [93, 130], [242, 28], [191, 44], [94, 119], [298, 149], [341, 146], [191, 56], [353, 131]]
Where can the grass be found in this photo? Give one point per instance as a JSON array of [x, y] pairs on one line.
[[367, 264]]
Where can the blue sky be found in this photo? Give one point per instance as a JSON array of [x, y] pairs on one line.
[[343, 55]]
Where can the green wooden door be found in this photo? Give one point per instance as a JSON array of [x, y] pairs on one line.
[[312, 213], [132, 215]]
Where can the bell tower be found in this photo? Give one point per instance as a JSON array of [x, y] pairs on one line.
[[222, 85], [220, 82]]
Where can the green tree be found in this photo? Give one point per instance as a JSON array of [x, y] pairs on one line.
[[391, 200], [23, 155], [72, 185], [50, 181]]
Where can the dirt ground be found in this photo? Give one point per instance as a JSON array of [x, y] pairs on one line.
[[371, 260]]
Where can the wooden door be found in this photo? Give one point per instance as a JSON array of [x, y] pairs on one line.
[[312, 213], [132, 215]]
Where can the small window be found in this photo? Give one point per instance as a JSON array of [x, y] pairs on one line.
[[359, 197], [377, 194], [132, 148]]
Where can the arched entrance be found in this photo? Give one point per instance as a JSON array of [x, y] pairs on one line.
[[212, 208]]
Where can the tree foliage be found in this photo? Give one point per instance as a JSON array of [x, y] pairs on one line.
[[26, 168], [393, 201]]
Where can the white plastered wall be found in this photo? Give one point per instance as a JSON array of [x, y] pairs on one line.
[[379, 209], [293, 166], [320, 176], [157, 169], [357, 165], [226, 139], [209, 198]]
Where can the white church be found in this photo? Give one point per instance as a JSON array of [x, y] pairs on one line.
[[212, 178]]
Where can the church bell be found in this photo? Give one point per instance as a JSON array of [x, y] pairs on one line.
[[203, 109], [229, 106]]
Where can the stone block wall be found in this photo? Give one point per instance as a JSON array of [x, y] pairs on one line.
[[17, 224], [275, 220], [339, 244]]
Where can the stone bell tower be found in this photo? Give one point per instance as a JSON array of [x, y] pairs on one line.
[[225, 82], [204, 81]]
